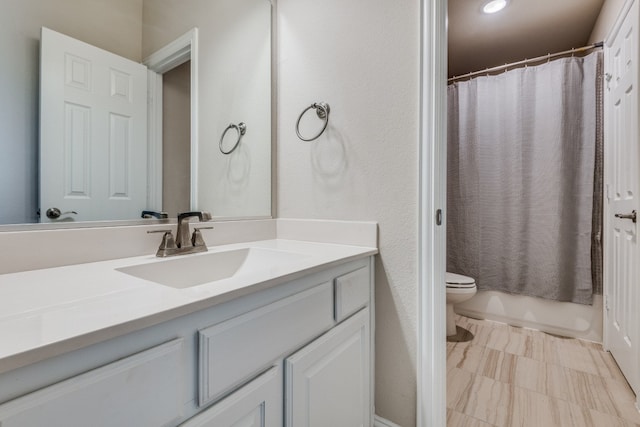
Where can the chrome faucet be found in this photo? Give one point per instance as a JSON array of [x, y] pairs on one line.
[[183, 239], [183, 243]]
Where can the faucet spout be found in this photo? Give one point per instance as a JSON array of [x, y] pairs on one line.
[[183, 237]]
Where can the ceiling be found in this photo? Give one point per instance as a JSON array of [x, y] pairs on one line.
[[524, 29]]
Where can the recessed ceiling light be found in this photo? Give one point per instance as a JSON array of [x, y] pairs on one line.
[[494, 6]]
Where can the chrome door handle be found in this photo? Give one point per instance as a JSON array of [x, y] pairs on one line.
[[632, 216], [54, 213]]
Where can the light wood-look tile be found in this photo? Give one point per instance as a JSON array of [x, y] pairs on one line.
[[458, 419], [510, 376], [467, 357], [459, 384]]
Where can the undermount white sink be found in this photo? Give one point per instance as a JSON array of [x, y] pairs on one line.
[[194, 270]]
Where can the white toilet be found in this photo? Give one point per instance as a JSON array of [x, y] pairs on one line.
[[459, 289]]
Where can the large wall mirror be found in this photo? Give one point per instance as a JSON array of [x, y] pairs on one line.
[[177, 135]]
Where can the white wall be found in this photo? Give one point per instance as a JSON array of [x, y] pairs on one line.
[[361, 57], [606, 19], [114, 25], [234, 86]]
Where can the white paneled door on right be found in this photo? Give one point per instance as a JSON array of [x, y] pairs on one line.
[[622, 180], [93, 132]]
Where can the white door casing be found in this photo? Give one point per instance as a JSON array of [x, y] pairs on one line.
[[622, 181], [93, 131], [165, 59]]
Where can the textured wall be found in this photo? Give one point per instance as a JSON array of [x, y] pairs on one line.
[[362, 57], [606, 19], [114, 25]]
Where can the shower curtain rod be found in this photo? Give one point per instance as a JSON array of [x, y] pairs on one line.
[[527, 61]]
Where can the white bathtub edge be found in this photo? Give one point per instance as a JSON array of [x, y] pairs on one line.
[[560, 318]]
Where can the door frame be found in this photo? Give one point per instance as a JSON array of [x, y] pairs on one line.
[[174, 54], [431, 362]]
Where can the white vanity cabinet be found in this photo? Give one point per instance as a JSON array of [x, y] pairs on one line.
[[328, 381], [141, 390], [257, 404], [234, 351], [297, 354]]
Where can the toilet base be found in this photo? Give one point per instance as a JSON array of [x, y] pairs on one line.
[[451, 321]]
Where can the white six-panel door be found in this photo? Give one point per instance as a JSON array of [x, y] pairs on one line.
[[622, 179], [93, 131]]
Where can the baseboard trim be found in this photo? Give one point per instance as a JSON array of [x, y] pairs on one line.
[[381, 422]]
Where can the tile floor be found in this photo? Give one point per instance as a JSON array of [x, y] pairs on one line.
[[508, 376]]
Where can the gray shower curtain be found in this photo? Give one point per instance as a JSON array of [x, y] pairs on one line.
[[521, 159]]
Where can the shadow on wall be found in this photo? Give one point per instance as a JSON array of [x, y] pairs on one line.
[[329, 158], [238, 169], [402, 378]]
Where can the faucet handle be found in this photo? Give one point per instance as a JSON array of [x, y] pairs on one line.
[[196, 237], [168, 242], [159, 231]]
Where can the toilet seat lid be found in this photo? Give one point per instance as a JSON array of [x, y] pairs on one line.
[[458, 280]]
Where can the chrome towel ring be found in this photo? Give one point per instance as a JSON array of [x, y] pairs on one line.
[[322, 110], [241, 128]]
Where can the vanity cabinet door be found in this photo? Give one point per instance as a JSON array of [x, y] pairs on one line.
[[327, 383], [236, 350], [143, 390], [257, 404]]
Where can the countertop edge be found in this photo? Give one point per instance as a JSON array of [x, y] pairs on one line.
[[77, 342]]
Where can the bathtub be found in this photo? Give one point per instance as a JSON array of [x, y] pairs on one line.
[[560, 318]]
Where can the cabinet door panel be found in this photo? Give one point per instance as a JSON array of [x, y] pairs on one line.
[[140, 390], [234, 351], [327, 382], [352, 292], [257, 404]]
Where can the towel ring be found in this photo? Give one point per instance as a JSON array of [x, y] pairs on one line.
[[241, 128], [322, 110]]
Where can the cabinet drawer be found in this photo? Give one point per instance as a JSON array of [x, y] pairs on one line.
[[257, 404], [232, 352], [141, 390], [352, 293]]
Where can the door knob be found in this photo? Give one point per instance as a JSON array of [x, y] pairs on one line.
[[632, 216], [54, 213]]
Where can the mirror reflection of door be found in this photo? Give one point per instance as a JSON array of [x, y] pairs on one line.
[[93, 143]]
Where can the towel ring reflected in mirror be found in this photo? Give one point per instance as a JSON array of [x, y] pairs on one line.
[[322, 110], [241, 128]]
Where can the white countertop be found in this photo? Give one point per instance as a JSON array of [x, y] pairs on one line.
[[44, 313]]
